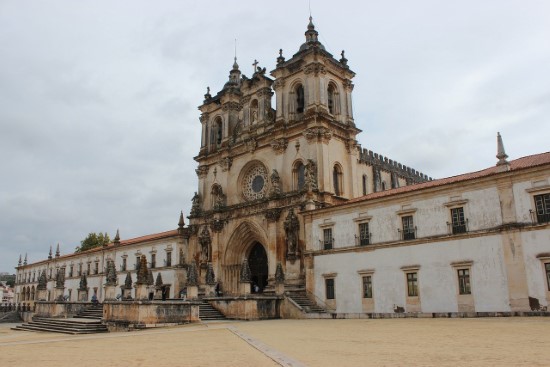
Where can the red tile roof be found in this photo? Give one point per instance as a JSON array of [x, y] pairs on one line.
[[515, 165]]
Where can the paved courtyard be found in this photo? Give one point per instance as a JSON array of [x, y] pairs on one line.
[[398, 342]]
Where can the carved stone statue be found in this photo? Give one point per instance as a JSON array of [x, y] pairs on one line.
[[310, 176], [292, 227], [218, 197], [205, 241], [279, 274], [210, 277], [192, 277], [275, 183], [181, 257], [196, 204]]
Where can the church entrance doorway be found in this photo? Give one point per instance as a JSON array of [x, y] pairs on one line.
[[257, 260]]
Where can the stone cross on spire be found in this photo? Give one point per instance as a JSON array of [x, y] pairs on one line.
[[255, 64]]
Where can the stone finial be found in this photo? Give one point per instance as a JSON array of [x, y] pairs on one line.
[[279, 274], [150, 278], [42, 281], [158, 282], [207, 96], [245, 271], [210, 276], [83, 286], [142, 273], [501, 154], [192, 277], [181, 222], [343, 60], [57, 252], [25, 261], [116, 241], [111, 278], [128, 281], [50, 253], [19, 263], [281, 58]]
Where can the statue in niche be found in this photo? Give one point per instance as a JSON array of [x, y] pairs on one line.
[[195, 204], [292, 227], [275, 183], [218, 197], [310, 176], [205, 241], [181, 257], [377, 179]]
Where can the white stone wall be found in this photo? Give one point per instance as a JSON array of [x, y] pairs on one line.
[[437, 280]]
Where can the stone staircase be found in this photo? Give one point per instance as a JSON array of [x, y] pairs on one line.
[[301, 298], [86, 322], [92, 313], [209, 313]]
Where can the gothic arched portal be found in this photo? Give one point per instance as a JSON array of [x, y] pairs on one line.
[[257, 260]]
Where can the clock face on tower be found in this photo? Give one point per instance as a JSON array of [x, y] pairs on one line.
[[255, 182]]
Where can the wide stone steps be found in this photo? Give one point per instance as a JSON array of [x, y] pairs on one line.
[[209, 313], [93, 313], [305, 303], [65, 326]]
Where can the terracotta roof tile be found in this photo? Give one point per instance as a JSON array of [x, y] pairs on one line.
[[515, 165]]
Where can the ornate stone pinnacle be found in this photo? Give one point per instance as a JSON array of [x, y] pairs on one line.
[[501, 154], [57, 253], [25, 261], [158, 282], [245, 271], [111, 278], [19, 263], [116, 241], [210, 277], [142, 273], [192, 277], [181, 222], [279, 274], [50, 253], [42, 281], [128, 281], [150, 278]]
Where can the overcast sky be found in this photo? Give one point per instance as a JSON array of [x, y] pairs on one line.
[[98, 99]]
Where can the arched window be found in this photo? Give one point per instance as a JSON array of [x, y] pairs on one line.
[[337, 180], [299, 92], [254, 111], [298, 175], [364, 184], [330, 97]]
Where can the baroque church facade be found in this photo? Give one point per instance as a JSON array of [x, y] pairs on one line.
[[287, 196]]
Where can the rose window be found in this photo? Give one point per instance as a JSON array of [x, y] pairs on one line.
[[255, 183]]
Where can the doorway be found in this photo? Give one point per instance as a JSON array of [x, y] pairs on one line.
[[257, 260]]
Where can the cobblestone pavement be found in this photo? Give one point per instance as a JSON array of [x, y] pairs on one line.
[[397, 342]]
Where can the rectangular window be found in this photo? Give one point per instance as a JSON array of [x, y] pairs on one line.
[[96, 267], [89, 266], [408, 227], [153, 261], [137, 262], [547, 268], [367, 286], [464, 281], [123, 264], [412, 284], [458, 222], [169, 258], [79, 269], [71, 271], [542, 207], [364, 235], [327, 238], [329, 285]]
